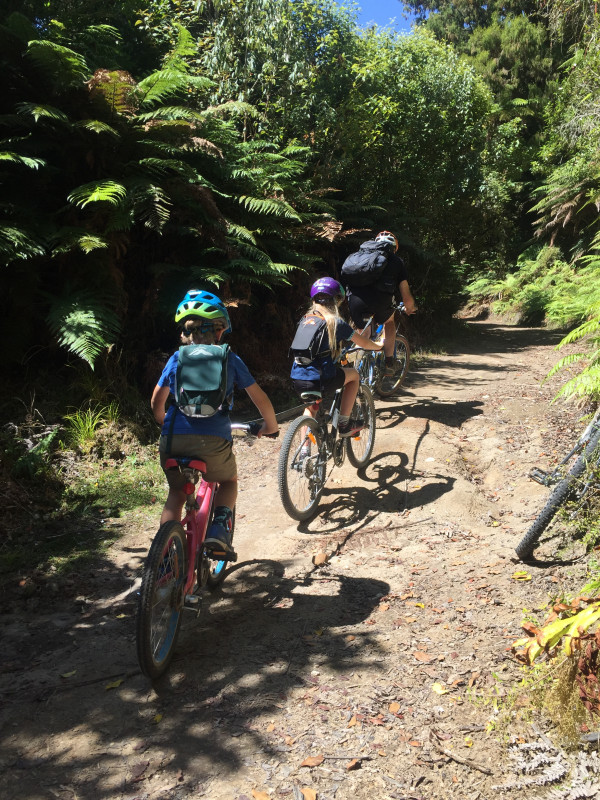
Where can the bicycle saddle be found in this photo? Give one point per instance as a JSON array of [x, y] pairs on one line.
[[179, 462]]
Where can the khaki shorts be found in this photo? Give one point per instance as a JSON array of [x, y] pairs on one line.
[[214, 450]]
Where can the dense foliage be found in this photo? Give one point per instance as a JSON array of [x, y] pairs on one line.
[[246, 144]]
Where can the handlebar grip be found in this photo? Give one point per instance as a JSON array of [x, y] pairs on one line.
[[253, 428]]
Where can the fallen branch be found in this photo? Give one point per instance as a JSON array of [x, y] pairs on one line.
[[461, 760]]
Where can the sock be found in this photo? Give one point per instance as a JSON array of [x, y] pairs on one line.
[[223, 514], [389, 361], [343, 419]]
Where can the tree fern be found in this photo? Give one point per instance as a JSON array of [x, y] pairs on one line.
[[278, 208], [26, 161], [39, 111]]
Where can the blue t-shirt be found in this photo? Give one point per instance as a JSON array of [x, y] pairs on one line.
[[322, 368], [217, 425]]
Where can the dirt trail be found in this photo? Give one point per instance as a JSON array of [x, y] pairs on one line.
[[338, 663]]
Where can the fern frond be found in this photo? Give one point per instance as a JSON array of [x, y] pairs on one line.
[[69, 239], [589, 327], [15, 158], [152, 204], [97, 192], [240, 232], [65, 66], [83, 325], [38, 111], [96, 126], [161, 166], [18, 244], [277, 208], [171, 113]]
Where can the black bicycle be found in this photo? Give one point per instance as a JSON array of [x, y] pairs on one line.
[[371, 363], [570, 483], [313, 441]]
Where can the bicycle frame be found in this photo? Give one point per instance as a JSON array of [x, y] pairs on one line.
[[550, 478]]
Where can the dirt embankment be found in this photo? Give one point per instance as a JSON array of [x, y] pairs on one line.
[[373, 675]]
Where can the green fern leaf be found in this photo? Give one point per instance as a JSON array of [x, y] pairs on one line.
[[96, 126], [269, 206], [38, 111], [83, 325], [98, 192], [66, 67], [32, 163]]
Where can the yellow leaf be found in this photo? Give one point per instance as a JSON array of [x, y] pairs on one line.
[[309, 794], [521, 575], [70, 674], [468, 741], [120, 616], [260, 795], [352, 722], [420, 605], [439, 689], [270, 727], [394, 708], [319, 632], [114, 684], [157, 718], [350, 638]]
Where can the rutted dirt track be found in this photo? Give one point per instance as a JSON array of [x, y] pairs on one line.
[[337, 663]]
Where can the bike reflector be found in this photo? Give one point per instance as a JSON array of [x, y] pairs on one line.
[[189, 488]]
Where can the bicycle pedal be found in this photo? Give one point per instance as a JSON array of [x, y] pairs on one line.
[[541, 476], [222, 555]]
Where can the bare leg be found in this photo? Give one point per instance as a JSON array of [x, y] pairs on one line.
[[389, 332], [350, 391], [173, 509]]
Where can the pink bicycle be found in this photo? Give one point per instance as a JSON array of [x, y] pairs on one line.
[[179, 567]]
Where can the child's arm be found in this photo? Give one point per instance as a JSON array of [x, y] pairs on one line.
[[265, 409], [365, 342], [157, 402]]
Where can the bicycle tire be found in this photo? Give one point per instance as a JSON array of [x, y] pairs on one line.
[[160, 604], [560, 494], [217, 569], [300, 480], [386, 386], [360, 447]]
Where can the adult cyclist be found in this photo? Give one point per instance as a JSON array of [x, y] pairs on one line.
[[378, 299]]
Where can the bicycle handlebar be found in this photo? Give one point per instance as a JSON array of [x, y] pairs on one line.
[[252, 429]]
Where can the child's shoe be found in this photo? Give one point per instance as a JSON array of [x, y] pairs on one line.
[[218, 536], [350, 428], [390, 367]]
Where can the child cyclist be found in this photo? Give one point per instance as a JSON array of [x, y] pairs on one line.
[[323, 373], [204, 320]]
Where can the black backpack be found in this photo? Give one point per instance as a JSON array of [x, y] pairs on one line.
[[201, 379], [307, 342], [366, 265]]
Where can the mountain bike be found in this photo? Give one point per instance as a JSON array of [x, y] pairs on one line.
[[371, 363], [570, 483], [311, 442], [178, 566]]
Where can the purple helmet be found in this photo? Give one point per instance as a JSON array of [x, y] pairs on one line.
[[328, 286]]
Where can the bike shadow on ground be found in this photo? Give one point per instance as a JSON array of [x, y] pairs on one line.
[[259, 645], [450, 413], [393, 487]]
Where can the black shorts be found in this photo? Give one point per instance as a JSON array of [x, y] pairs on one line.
[[370, 303], [326, 387]]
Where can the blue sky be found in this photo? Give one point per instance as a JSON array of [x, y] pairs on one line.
[[380, 11]]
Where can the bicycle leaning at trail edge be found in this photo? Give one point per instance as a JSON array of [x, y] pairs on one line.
[[371, 363], [178, 566], [570, 483], [310, 442]]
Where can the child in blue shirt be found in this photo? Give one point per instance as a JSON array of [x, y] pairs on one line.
[[204, 320]]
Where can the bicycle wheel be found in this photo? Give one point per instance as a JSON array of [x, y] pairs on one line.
[[301, 469], [161, 599], [387, 385], [217, 569], [360, 447], [561, 493]]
